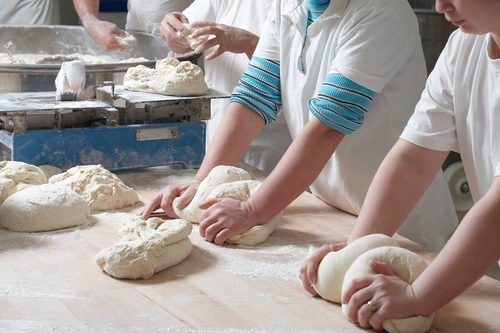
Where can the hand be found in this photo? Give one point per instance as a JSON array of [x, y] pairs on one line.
[[224, 217], [229, 39], [184, 191], [309, 268], [104, 33], [170, 25], [393, 297]]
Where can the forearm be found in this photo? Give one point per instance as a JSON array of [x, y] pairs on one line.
[[401, 180], [87, 10], [234, 135], [296, 171]]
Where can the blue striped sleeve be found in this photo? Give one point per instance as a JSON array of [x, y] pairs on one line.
[[260, 88], [341, 103]]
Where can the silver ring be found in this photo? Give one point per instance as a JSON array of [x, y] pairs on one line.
[[371, 306]]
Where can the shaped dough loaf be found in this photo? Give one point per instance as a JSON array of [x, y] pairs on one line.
[[102, 189], [337, 269], [219, 175], [146, 247], [16, 176]]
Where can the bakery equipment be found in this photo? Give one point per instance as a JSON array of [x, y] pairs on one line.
[[150, 130]]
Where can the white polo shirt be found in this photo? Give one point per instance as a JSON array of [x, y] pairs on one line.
[[376, 44], [460, 109]]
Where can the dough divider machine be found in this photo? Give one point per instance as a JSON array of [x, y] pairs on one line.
[[151, 130]]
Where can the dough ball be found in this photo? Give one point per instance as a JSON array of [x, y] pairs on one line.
[[333, 267], [146, 247], [242, 191], [192, 42], [170, 77], [405, 264], [43, 208], [16, 176], [50, 170], [102, 189], [126, 40], [219, 175]]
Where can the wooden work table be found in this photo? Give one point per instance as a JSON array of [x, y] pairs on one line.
[[49, 282]]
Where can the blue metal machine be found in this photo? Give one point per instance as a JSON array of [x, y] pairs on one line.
[[151, 129]]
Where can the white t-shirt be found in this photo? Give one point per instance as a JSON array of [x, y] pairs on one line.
[[29, 12], [225, 71], [377, 45], [460, 109], [147, 15]]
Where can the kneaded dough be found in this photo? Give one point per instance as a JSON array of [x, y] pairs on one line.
[[338, 269], [242, 190], [50, 170], [102, 189], [43, 208], [219, 175], [193, 42], [171, 77], [16, 176], [126, 40], [146, 247]]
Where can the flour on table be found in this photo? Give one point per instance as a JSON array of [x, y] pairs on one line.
[[338, 269], [16, 176], [43, 208], [102, 189], [170, 77], [146, 247], [193, 42], [228, 182], [219, 175]]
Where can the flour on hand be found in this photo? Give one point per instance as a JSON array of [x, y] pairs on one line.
[[170, 77], [146, 247], [338, 269], [102, 189], [43, 208]]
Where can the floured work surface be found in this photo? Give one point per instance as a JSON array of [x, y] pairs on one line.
[[49, 282]]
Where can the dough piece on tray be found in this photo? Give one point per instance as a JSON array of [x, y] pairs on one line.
[[171, 77], [338, 269], [16, 176], [193, 42], [43, 208], [102, 189], [146, 247], [228, 182]]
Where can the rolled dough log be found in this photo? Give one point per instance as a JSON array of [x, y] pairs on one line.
[[219, 175], [333, 267], [102, 189], [242, 191], [43, 208], [405, 264], [16, 176], [171, 77], [146, 247]]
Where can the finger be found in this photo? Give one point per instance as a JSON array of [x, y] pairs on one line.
[[338, 246], [202, 24], [306, 283], [315, 260], [381, 267], [376, 320], [364, 315], [209, 203], [222, 236], [151, 207], [208, 44], [175, 20], [219, 51], [358, 300], [356, 285], [212, 231]]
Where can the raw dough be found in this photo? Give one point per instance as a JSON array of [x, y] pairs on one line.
[[193, 42], [16, 176], [50, 170], [146, 247], [242, 190], [43, 208], [405, 264], [171, 77], [338, 269], [219, 175], [102, 189], [126, 40]]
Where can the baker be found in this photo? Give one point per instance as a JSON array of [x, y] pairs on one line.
[[347, 76], [234, 36], [142, 16], [30, 12]]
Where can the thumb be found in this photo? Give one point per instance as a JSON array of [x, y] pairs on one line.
[[381, 267], [209, 203]]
